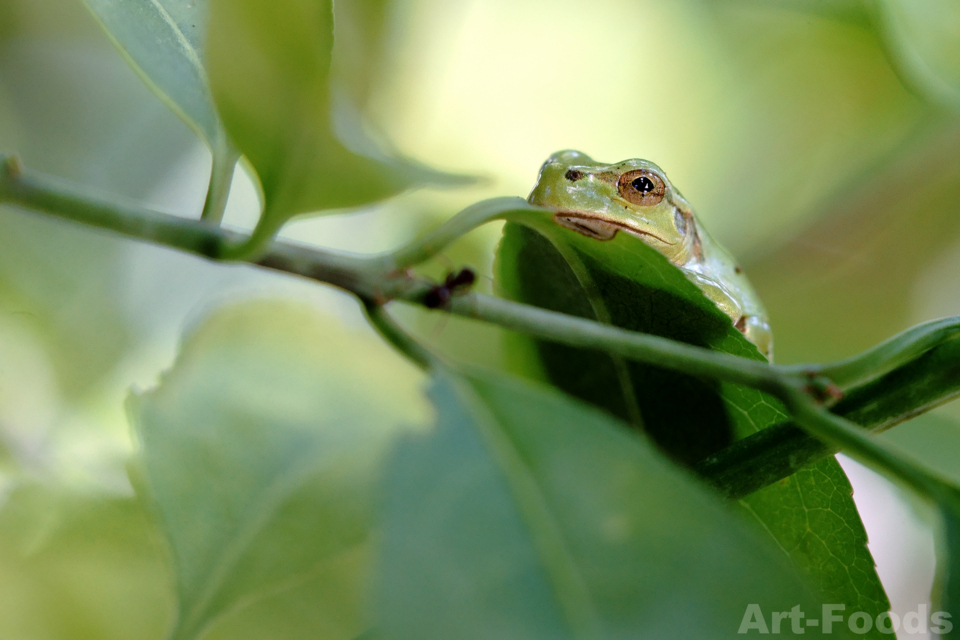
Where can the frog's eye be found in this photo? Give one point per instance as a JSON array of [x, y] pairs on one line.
[[641, 187]]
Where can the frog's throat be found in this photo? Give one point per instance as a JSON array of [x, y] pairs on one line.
[[600, 228]]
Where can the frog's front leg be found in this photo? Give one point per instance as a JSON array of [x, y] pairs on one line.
[[755, 328]]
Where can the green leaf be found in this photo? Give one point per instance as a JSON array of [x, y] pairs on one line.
[[63, 285], [360, 48], [624, 282], [525, 514], [79, 565], [163, 41], [269, 64], [261, 452], [67, 284]]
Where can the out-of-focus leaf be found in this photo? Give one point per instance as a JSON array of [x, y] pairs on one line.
[[261, 452], [8, 461], [48, 18], [853, 10], [100, 140], [822, 106], [624, 282], [163, 41], [79, 566], [924, 42], [359, 46], [66, 282], [315, 608], [59, 280], [528, 515], [269, 64]]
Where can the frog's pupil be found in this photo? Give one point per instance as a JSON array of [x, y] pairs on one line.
[[643, 184]]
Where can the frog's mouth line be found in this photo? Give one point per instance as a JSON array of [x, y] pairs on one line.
[[598, 228]]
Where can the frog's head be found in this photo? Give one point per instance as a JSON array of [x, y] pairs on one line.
[[633, 196]]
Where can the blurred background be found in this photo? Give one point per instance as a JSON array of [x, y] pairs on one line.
[[818, 140]]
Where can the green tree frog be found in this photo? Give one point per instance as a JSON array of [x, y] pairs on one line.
[[635, 196]]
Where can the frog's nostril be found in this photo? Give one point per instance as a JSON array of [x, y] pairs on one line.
[[573, 175]]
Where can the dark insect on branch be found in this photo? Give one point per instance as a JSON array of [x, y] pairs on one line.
[[439, 296]]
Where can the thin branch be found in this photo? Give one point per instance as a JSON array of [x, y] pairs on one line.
[[65, 200], [927, 381], [846, 436], [643, 347], [815, 419], [433, 242], [877, 361], [390, 331], [370, 279], [363, 277]]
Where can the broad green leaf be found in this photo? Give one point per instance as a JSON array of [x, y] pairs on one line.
[[625, 283], [261, 452], [269, 64], [66, 283], [526, 514], [622, 281], [163, 41], [63, 286], [924, 41]]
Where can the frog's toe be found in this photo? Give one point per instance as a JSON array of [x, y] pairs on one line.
[[757, 330]]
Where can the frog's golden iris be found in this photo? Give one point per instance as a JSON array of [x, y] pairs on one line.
[[641, 187], [634, 196]]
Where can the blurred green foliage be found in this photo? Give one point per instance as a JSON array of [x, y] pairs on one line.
[[77, 565], [502, 548], [818, 140], [267, 475]]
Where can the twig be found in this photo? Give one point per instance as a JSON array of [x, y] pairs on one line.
[[378, 279]]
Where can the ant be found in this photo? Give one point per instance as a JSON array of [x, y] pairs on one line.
[[439, 295]]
